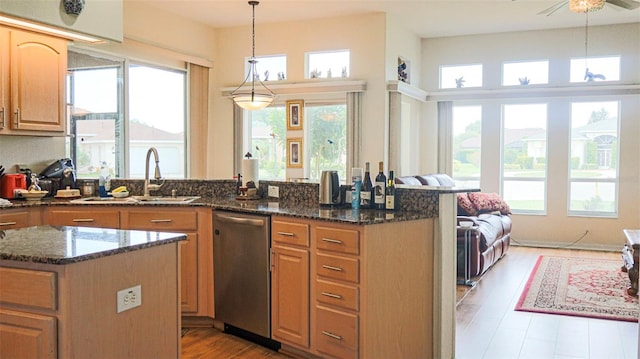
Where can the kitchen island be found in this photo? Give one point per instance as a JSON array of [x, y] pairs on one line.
[[89, 293]]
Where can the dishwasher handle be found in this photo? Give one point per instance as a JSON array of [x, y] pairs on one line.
[[241, 220]]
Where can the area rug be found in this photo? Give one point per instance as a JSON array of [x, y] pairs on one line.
[[583, 287]]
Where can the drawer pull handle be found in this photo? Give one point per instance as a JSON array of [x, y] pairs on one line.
[[286, 234], [337, 269], [330, 240], [8, 223], [331, 335], [331, 295], [83, 220], [161, 221]]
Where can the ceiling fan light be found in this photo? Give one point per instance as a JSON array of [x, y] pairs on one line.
[[586, 5]]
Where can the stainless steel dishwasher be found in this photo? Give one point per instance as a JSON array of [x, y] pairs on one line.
[[242, 278]]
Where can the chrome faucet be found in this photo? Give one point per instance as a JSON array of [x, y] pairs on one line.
[[147, 183]]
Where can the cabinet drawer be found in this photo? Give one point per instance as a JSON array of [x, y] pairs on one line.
[[14, 220], [290, 232], [102, 219], [344, 296], [337, 267], [337, 333], [28, 287], [338, 240], [163, 220]]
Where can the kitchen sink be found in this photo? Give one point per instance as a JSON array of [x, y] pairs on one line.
[[137, 199], [98, 200], [165, 199]]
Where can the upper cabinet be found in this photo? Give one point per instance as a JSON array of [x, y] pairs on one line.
[[33, 72]]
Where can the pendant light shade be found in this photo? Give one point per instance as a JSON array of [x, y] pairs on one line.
[[253, 94]]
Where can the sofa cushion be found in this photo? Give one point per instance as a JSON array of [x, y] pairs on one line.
[[489, 202], [465, 206], [428, 180], [409, 180]]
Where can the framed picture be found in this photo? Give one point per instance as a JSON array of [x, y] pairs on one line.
[[295, 112], [294, 152]]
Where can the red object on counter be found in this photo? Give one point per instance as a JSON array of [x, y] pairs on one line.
[[11, 182]]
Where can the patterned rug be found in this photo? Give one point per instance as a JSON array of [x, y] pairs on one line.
[[583, 287]]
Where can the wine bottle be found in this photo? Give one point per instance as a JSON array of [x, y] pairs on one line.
[[380, 188], [390, 193], [366, 194]]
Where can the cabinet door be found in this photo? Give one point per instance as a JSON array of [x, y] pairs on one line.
[[189, 274], [174, 220], [290, 295], [4, 80], [26, 335], [38, 71]]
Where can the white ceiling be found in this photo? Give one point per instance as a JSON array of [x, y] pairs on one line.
[[427, 18]]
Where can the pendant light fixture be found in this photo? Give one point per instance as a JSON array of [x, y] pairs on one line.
[[253, 94]]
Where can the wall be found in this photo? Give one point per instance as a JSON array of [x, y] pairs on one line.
[[98, 18], [363, 35], [554, 228]]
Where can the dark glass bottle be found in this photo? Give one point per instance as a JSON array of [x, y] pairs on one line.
[[390, 193], [366, 194], [380, 188]]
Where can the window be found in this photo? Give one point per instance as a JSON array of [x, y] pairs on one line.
[[467, 136], [460, 76], [156, 117], [270, 68], [327, 64], [268, 141], [595, 69], [325, 147], [524, 157], [594, 158], [525, 73], [327, 139]]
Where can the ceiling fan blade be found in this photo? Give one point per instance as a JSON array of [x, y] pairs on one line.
[[625, 4], [549, 11]]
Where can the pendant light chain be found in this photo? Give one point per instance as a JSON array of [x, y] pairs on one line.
[[586, 39]]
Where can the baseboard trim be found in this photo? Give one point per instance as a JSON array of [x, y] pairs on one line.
[[561, 245]]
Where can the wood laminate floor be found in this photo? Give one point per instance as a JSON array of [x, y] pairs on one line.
[[487, 326]]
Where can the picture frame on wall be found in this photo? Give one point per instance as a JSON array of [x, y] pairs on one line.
[[294, 152], [295, 114]]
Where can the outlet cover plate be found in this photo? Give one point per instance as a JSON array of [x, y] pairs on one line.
[[273, 191], [129, 298]]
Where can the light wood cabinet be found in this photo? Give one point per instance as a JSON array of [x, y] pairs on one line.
[[290, 282], [70, 310], [30, 335], [33, 69], [18, 218], [196, 253], [174, 220], [96, 217], [370, 292]]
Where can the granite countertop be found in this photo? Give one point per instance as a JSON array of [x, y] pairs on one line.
[[66, 245], [342, 214]]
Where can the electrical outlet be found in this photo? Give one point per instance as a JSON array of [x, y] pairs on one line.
[[274, 191], [129, 298]]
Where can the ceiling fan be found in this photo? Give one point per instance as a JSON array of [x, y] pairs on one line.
[[625, 4]]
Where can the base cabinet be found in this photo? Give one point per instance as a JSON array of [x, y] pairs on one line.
[[30, 335], [196, 253], [370, 292]]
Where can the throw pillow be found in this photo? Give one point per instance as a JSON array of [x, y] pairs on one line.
[[465, 207], [489, 202]]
